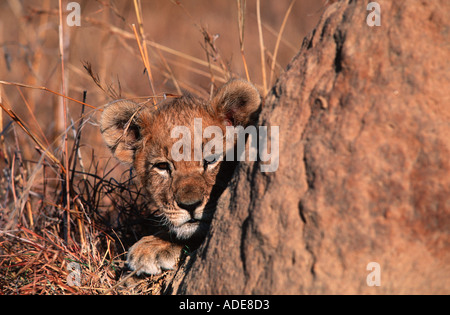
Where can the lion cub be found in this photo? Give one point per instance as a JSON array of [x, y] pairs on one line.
[[184, 191]]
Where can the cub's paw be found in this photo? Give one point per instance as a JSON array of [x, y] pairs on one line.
[[151, 255]]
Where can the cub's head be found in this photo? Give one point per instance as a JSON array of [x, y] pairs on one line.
[[163, 147]]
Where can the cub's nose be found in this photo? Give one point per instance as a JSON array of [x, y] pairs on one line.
[[189, 205], [189, 193]]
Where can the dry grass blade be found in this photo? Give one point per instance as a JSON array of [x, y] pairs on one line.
[[47, 90], [241, 4], [2, 130], [170, 72], [212, 52], [24, 199], [64, 103], [146, 62], [32, 115], [277, 45], [23, 126], [143, 47], [121, 282], [261, 46]]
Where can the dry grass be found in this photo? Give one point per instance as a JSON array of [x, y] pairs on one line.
[[63, 199]]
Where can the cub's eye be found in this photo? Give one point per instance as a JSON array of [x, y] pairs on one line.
[[210, 161], [163, 166]]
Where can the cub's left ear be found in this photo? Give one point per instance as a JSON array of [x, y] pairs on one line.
[[238, 103]]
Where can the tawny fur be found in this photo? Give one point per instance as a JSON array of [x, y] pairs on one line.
[[140, 136]]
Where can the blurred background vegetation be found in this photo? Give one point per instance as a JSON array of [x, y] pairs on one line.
[[30, 49]]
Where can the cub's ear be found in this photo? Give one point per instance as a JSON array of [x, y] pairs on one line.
[[238, 102], [121, 126]]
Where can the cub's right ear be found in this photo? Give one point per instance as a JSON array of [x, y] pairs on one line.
[[238, 102], [121, 125]]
